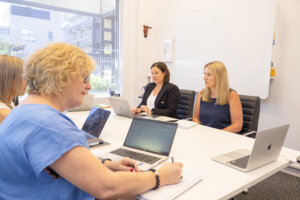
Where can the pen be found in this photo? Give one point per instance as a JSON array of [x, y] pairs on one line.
[[172, 158]]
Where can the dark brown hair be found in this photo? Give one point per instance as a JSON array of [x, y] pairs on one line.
[[163, 67]]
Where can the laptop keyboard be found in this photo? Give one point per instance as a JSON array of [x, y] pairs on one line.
[[241, 162], [135, 155]]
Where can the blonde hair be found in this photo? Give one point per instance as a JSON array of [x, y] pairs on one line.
[[48, 70], [222, 83], [10, 78]]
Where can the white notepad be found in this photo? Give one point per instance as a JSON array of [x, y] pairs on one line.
[[185, 124], [170, 192]]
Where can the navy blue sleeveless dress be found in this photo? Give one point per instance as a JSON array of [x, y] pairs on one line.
[[213, 115]]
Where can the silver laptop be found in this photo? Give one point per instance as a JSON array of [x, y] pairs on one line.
[[122, 108], [87, 104], [266, 149], [148, 142], [94, 125]]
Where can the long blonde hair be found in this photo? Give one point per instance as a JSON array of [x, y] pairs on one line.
[[222, 83], [10, 78]]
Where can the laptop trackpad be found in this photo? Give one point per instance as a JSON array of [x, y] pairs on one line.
[[237, 154]]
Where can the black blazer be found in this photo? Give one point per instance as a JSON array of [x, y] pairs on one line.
[[166, 101]]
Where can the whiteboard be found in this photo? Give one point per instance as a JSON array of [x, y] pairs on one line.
[[239, 33]]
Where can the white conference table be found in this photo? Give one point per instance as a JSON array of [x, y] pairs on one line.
[[195, 147]]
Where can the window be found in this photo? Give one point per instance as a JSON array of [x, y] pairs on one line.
[[50, 36], [4, 31], [26, 26], [28, 35]]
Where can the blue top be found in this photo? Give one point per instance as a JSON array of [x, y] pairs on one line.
[[213, 115], [32, 137]]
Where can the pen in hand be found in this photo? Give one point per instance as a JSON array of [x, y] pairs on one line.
[[172, 159]]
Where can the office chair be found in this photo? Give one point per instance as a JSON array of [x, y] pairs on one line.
[[186, 104], [251, 108], [16, 101]]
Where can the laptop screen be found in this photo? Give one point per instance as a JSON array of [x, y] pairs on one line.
[[151, 135], [95, 121]]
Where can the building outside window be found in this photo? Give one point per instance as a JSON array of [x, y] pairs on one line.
[[26, 26], [28, 35], [50, 35]]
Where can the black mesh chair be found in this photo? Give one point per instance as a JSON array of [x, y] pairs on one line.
[[186, 104], [251, 108]]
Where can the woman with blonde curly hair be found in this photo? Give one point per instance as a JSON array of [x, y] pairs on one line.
[[46, 156], [217, 105], [11, 83]]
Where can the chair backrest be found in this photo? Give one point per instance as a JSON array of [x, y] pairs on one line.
[[251, 108], [186, 104]]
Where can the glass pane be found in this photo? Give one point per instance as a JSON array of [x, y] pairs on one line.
[[29, 28]]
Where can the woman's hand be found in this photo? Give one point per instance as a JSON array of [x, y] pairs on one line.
[[170, 173], [125, 164], [146, 109], [136, 110]]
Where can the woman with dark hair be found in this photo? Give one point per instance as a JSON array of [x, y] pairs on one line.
[[161, 97]]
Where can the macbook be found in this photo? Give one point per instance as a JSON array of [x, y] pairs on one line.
[[87, 104], [148, 142], [94, 125], [122, 108], [266, 149]]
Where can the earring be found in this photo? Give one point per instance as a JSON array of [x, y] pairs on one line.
[[60, 90]]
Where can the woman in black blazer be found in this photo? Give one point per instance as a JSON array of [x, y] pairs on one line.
[[160, 97]]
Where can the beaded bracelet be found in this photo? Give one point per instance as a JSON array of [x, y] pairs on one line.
[[156, 178]]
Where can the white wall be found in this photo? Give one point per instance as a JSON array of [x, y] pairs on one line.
[[282, 105]]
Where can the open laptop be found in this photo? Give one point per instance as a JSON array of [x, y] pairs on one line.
[[148, 142], [122, 108], [94, 125], [266, 149], [86, 105]]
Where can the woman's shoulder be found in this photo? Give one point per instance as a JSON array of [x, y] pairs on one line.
[[233, 96], [171, 85], [4, 106], [151, 84], [233, 92], [200, 93]]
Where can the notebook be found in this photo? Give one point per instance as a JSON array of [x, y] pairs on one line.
[[266, 149], [94, 125], [86, 105], [170, 192], [148, 142], [122, 108]]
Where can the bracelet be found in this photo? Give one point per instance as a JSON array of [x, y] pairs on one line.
[[105, 159], [157, 179]]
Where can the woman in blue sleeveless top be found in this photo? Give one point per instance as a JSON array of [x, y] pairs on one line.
[[217, 105]]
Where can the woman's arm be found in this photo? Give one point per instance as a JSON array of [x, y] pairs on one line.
[[236, 113], [197, 109], [143, 103], [172, 103], [93, 177]]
